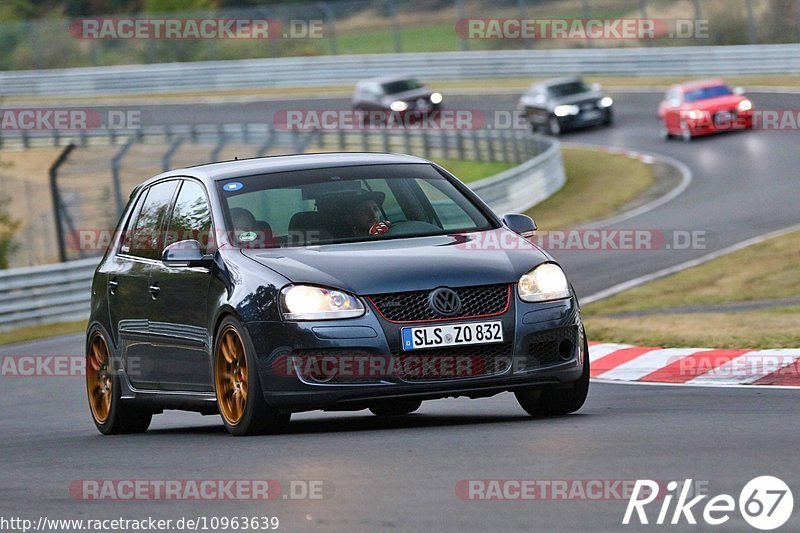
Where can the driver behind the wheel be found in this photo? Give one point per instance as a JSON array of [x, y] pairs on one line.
[[364, 216]]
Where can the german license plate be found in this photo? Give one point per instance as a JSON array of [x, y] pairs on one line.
[[452, 335]]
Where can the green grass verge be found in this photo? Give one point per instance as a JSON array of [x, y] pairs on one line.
[[762, 271], [469, 171], [598, 185], [40, 332]]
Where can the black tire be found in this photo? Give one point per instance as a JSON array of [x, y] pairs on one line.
[[609, 120], [555, 402], [395, 407], [121, 416], [257, 417]]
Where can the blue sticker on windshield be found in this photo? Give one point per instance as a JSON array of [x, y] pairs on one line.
[[232, 186]]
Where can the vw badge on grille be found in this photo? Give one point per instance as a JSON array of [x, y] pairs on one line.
[[445, 301]]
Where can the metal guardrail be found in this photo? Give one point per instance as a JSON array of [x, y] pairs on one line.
[[45, 294], [339, 70], [61, 292]]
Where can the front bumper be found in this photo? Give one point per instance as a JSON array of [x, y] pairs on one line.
[[348, 364]]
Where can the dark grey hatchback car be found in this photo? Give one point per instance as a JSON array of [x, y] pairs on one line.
[[263, 287]]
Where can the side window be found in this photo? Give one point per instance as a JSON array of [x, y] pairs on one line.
[[390, 205], [191, 216], [145, 239]]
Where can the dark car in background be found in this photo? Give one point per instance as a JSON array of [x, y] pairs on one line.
[[395, 94], [258, 288], [561, 104], [703, 107]]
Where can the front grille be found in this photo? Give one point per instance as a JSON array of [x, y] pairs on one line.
[[546, 349], [454, 362], [486, 300]]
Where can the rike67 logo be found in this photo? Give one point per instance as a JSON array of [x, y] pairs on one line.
[[765, 502]]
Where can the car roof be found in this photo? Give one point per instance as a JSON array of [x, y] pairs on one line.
[[387, 79], [212, 172], [561, 81]]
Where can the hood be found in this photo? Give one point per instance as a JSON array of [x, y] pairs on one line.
[[399, 265]]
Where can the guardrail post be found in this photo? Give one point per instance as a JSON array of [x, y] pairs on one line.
[[407, 141], [267, 144], [330, 21], [342, 141], [460, 146], [426, 145], [167, 158], [445, 145], [643, 10], [386, 141], [115, 178], [476, 146], [504, 148], [223, 140], [517, 153], [751, 23], [62, 251], [364, 141], [460, 16], [490, 146], [586, 14], [398, 36], [523, 14]]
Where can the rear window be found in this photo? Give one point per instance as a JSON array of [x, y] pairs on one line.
[[350, 204]]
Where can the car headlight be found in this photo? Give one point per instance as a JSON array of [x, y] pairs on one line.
[[398, 105], [305, 302], [606, 101], [436, 98], [564, 110], [745, 105], [545, 282]]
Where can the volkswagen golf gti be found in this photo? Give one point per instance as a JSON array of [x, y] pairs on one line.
[[259, 288]]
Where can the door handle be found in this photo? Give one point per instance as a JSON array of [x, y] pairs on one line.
[[112, 286], [155, 290]]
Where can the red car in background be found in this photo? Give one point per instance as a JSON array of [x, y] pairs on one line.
[[703, 107]]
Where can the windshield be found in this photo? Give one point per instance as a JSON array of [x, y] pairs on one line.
[[401, 86], [707, 92], [567, 89], [350, 204]]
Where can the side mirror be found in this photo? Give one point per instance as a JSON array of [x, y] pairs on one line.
[[523, 225], [738, 91], [187, 253]]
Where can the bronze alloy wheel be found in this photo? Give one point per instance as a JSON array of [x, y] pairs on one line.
[[99, 382], [230, 375]]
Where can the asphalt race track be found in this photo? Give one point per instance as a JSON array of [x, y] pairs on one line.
[[401, 474]]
